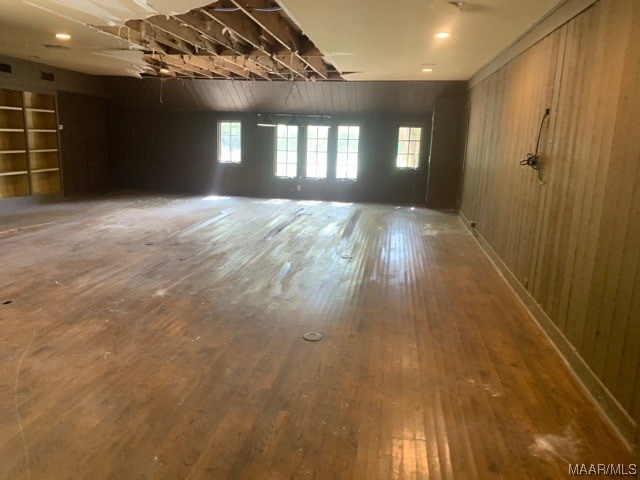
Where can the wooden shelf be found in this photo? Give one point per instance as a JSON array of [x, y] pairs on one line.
[[39, 110], [41, 120], [39, 101], [10, 99], [12, 142], [45, 181], [14, 186], [29, 157], [38, 140]]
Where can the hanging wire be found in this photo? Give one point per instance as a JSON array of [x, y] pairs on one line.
[[533, 159]]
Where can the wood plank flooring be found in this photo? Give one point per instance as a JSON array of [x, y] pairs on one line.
[[153, 338]]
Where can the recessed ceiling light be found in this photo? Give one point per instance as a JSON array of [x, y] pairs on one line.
[[427, 70], [63, 36], [443, 35], [165, 70]]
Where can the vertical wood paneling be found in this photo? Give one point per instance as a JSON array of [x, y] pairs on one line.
[[413, 98], [574, 241]]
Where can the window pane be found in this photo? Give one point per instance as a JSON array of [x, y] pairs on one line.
[[403, 134], [347, 158], [287, 150], [409, 147], [316, 161], [230, 142]]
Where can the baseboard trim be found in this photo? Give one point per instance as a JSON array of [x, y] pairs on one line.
[[607, 405]]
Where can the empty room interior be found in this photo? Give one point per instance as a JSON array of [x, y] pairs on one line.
[[344, 239]]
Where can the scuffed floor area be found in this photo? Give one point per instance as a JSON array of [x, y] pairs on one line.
[[162, 338]]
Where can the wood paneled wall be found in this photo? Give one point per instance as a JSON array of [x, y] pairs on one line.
[[83, 143], [330, 98], [572, 241], [176, 152]]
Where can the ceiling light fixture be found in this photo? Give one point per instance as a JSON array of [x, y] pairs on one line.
[[165, 70], [63, 36], [427, 70], [443, 35]]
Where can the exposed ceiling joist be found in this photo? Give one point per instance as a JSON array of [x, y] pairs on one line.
[[248, 32], [181, 65], [244, 39], [276, 25]]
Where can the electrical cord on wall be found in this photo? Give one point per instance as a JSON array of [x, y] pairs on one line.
[[533, 159]]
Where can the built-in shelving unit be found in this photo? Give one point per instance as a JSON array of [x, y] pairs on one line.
[[29, 158], [14, 165]]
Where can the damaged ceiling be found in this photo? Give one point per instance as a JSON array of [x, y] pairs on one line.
[[247, 39], [267, 39]]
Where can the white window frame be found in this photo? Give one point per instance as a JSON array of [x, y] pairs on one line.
[[317, 151], [288, 152], [349, 162], [409, 143], [229, 159]]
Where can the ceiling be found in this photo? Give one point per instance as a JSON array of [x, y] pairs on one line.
[[362, 39]]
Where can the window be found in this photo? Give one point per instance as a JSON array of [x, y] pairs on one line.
[[317, 147], [287, 151], [229, 142], [409, 147], [347, 158]]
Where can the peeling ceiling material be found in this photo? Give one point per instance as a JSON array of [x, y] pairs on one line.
[[268, 39], [243, 39]]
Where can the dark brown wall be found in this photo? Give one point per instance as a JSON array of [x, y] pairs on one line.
[[176, 151], [168, 142], [330, 98], [445, 161], [83, 143], [572, 240]]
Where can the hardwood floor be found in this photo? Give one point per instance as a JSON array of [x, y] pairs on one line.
[[162, 338]]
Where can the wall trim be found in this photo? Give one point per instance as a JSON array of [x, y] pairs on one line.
[[607, 405], [556, 18]]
